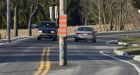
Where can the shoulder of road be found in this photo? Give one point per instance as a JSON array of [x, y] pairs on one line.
[[14, 40]]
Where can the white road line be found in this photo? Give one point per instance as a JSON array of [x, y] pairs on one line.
[[134, 65]]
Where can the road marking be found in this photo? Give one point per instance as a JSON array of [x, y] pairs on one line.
[[41, 62], [48, 63], [134, 65], [44, 65]]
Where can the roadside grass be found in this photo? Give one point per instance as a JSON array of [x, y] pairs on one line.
[[131, 50]]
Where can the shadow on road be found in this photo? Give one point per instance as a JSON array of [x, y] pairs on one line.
[[30, 51]]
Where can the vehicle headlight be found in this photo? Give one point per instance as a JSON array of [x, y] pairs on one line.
[[39, 31], [52, 31]]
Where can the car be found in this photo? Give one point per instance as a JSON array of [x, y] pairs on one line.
[[47, 29], [85, 33]]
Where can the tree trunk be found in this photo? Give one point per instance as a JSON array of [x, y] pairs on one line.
[[29, 25], [86, 23], [100, 15], [15, 22], [32, 12]]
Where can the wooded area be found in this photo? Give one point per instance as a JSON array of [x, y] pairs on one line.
[[113, 14]]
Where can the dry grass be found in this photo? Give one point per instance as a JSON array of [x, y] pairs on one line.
[[21, 32], [70, 29]]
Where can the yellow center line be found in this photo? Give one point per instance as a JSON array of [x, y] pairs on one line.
[[41, 62], [48, 63], [44, 65]]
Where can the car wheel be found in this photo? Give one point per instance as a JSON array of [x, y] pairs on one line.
[[93, 40], [38, 38], [76, 40], [55, 39]]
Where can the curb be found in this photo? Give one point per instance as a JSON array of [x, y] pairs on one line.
[[115, 42], [137, 58], [18, 39], [112, 42], [127, 44], [123, 44], [3, 43], [121, 53]]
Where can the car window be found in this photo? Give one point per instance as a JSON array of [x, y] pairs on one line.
[[85, 29], [47, 25]]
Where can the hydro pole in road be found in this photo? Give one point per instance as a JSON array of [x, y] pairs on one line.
[[62, 34], [8, 21]]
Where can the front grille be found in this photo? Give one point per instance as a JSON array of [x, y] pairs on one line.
[[46, 31]]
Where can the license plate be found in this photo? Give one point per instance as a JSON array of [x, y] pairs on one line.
[[85, 34]]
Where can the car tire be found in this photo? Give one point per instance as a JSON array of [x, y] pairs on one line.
[[38, 38], [93, 40], [76, 40]]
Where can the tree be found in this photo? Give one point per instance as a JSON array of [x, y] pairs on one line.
[[85, 11], [110, 14], [136, 3], [2, 14], [72, 10], [32, 10], [14, 8]]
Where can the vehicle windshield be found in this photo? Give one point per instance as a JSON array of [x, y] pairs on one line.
[[47, 25], [85, 29]]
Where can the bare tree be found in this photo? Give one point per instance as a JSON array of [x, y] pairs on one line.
[[85, 11], [33, 9], [110, 14], [14, 8]]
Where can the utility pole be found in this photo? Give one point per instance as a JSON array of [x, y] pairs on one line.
[[62, 34], [8, 21]]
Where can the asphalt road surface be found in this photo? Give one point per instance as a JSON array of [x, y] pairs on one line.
[[32, 57]]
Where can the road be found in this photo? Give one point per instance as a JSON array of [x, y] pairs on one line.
[[32, 57]]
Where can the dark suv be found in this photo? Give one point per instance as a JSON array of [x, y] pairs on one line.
[[47, 29]]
